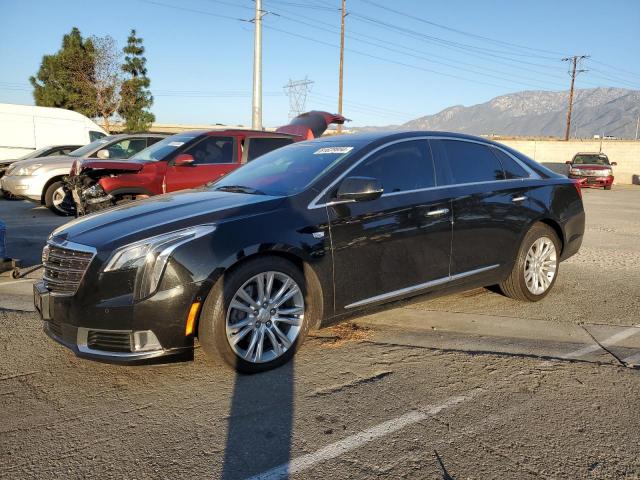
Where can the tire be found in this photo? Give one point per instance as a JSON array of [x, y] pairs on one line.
[[533, 288], [217, 313], [607, 187], [53, 201]]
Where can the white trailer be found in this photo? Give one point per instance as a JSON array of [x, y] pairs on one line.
[[24, 128]]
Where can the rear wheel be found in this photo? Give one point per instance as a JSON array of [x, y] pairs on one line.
[[54, 199], [536, 267], [257, 315]]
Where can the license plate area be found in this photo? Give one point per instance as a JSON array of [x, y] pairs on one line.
[[42, 301]]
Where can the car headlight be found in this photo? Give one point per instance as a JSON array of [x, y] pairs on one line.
[[150, 256], [575, 171], [607, 172], [23, 171]]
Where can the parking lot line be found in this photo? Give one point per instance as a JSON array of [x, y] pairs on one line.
[[632, 360], [612, 340], [357, 440]]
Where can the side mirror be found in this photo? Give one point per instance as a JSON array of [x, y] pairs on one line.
[[568, 162], [613, 164], [103, 154], [184, 160], [359, 189]]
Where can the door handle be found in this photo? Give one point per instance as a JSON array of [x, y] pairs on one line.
[[438, 212], [521, 198]]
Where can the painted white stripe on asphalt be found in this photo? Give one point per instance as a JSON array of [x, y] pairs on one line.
[[612, 340], [357, 440]]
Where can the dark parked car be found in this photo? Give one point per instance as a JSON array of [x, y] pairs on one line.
[[307, 234], [592, 169]]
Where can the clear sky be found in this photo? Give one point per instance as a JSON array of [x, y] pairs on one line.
[[397, 67]]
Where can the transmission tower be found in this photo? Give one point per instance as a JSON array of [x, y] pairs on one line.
[[297, 91]]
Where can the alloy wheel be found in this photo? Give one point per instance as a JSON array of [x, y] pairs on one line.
[[57, 199], [264, 317], [540, 266]]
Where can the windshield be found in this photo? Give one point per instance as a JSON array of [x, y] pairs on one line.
[[594, 159], [164, 148], [285, 171], [90, 147], [33, 154]]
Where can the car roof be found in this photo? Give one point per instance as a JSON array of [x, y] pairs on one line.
[[599, 154], [368, 137]]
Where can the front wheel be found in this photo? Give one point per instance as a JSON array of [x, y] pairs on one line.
[[257, 315], [54, 199], [607, 187], [536, 267]]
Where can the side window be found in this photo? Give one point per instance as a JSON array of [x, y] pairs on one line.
[[470, 162], [510, 166], [400, 167], [260, 145], [124, 148], [93, 135], [152, 140], [213, 150]]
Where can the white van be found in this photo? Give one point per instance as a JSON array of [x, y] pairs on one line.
[[24, 128]]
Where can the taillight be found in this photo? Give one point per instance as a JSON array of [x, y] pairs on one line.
[[577, 183]]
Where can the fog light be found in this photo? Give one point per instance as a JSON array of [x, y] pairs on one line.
[[145, 341]]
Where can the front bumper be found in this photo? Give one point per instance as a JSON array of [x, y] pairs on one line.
[[28, 187], [154, 338], [593, 181]]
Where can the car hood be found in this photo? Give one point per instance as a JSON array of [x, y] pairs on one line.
[[591, 167], [160, 214], [50, 163], [129, 165]]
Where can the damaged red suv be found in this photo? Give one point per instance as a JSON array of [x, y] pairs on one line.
[[182, 161], [592, 170]]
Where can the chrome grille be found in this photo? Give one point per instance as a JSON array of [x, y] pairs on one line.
[[64, 268]]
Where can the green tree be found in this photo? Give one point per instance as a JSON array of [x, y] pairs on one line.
[[66, 78], [135, 97]]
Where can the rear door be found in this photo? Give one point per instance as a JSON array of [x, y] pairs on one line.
[[392, 246], [490, 205], [214, 157]]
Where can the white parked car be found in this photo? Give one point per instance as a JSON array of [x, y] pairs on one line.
[[25, 128]]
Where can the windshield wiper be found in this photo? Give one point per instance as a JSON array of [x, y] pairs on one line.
[[240, 189]]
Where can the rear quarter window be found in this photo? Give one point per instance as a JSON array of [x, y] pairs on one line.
[[511, 168]]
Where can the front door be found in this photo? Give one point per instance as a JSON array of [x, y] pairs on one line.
[[213, 156], [398, 244]]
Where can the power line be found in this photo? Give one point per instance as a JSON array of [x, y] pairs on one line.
[[462, 32]]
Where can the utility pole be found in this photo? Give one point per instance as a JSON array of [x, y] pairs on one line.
[[343, 14], [256, 110], [574, 64]]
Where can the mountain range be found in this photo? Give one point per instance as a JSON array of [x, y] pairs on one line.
[[596, 111]]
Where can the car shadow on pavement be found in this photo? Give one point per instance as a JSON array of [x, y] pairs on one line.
[[260, 424]]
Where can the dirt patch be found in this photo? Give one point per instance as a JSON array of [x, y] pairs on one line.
[[344, 333]]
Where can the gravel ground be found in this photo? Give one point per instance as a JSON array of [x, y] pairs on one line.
[[487, 416]]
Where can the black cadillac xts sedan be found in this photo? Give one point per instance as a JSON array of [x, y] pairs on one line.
[[303, 236]]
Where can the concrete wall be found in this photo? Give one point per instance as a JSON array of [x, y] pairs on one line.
[[553, 154]]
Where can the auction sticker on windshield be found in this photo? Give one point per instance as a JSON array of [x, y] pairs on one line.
[[332, 150], [176, 144]]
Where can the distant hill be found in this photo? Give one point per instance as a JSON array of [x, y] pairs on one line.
[[612, 111]]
